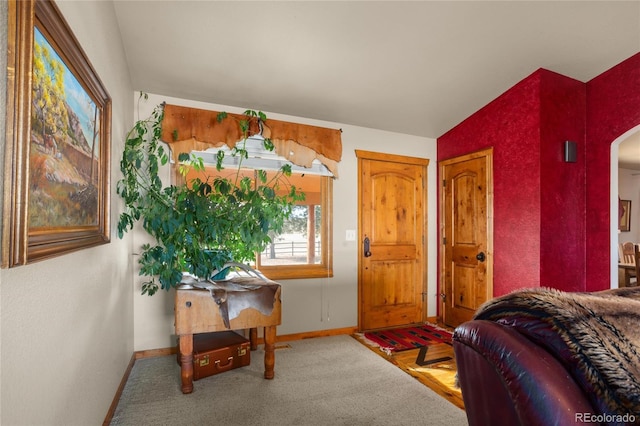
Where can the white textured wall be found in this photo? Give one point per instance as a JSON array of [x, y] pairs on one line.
[[67, 322], [309, 304], [69, 325]]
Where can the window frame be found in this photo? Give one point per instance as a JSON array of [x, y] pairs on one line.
[[318, 270], [324, 269]]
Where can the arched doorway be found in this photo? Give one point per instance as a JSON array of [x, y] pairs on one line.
[[632, 134]]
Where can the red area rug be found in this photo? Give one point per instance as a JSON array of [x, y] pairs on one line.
[[402, 339]]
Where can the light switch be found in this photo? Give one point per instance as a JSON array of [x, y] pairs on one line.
[[350, 235]]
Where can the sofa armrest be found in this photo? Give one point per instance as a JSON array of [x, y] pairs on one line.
[[507, 379]]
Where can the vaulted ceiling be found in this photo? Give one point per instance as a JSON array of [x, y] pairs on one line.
[[417, 67]]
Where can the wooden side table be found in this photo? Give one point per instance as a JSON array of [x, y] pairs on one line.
[[196, 311]]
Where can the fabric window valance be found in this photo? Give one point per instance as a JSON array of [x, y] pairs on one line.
[[187, 129]]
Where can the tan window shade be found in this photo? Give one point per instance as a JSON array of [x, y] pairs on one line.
[[190, 129]]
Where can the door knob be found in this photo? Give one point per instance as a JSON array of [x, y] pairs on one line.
[[481, 257], [367, 244]]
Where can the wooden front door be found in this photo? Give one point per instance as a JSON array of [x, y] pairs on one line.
[[392, 227], [466, 249]]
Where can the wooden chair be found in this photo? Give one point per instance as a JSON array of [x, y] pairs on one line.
[[626, 252], [628, 264]]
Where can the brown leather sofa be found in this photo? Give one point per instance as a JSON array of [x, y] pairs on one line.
[[506, 379], [517, 362]]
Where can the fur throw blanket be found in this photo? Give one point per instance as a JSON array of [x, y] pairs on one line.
[[595, 335]]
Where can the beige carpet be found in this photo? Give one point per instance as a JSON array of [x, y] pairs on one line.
[[323, 381]]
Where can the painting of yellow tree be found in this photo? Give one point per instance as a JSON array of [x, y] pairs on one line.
[[64, 145]]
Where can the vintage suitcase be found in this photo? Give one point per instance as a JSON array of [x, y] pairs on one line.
[[215, 353]]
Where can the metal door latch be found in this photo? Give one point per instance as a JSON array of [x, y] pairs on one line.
[[367, 246]]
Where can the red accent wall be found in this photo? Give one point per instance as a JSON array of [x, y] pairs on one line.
[[538, 222], [551, 218], [509, 124], [613, 108], [562, 230]]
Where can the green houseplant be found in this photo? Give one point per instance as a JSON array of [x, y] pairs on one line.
[[202, 224]]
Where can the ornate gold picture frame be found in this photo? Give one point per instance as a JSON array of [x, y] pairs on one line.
[[57, 153]]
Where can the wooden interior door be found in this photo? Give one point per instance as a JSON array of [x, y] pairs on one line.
[[466, 250], [392, 226]]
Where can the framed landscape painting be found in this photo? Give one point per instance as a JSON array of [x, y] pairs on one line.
[[57, 158]]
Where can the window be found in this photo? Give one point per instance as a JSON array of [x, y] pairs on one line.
[[304, 248]]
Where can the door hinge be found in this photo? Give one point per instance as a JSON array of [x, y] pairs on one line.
[[444, 241], [444, 182]]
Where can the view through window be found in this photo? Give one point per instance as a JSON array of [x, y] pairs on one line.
[[300, 243], [303, 248]]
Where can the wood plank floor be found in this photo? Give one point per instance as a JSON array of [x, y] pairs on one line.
[[438, 376]]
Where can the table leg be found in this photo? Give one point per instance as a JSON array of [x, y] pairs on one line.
[[186, 362], [253, 338], [269, 351]]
